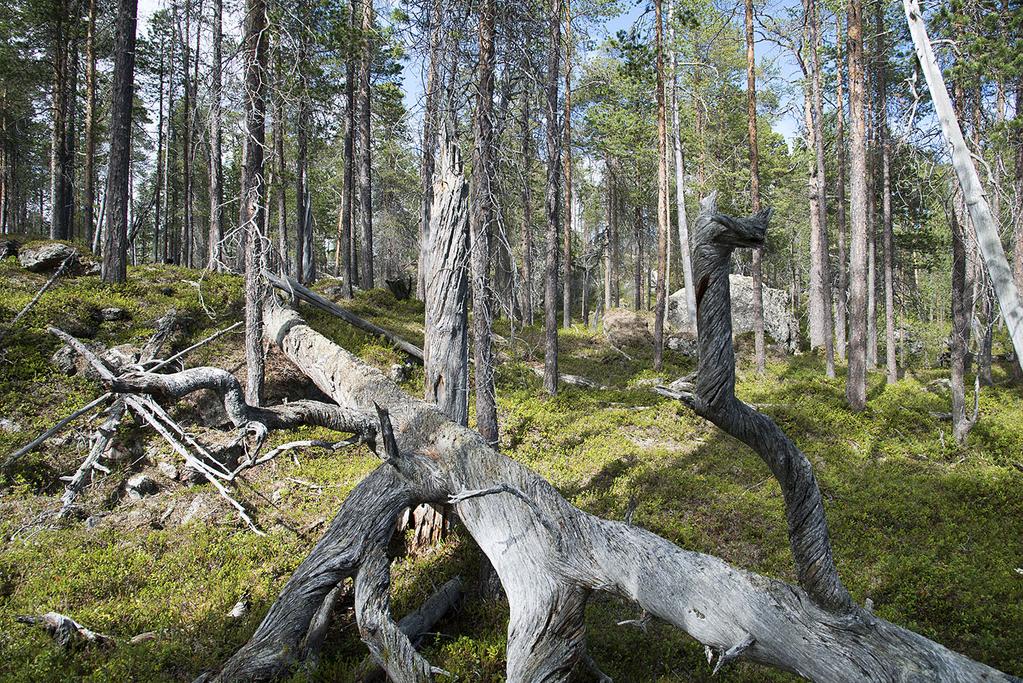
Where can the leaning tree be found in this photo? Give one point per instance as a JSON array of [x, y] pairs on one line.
[[549, 555]]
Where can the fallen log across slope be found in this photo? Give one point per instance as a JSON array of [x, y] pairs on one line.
[[549, 557], [293, 287]]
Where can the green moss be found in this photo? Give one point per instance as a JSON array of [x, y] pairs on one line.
[[928, 530]]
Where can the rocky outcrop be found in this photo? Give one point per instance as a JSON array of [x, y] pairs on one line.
[[626, 328], [779, 324], [46, 257]]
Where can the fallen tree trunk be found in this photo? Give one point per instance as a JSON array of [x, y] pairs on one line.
[[291, 286], [549, 556]]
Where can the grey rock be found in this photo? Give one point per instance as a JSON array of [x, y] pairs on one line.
[[400, 372], [685, 343], [65, 359], [113, 314], [9, 426], [139, 486], [43, 258], [196, 510], [778, 322], [166, 469]]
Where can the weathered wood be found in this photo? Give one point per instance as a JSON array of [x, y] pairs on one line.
[[549, 556], [713, 397], [446, 345], [38, 441], [291, 286], [973, 192], [65, 630], [415, 625]]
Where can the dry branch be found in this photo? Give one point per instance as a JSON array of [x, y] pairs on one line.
[[65, 630], [38, 441]]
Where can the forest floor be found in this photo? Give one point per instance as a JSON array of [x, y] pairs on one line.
[[932, 533]]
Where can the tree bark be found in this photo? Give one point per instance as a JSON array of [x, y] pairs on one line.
[[305, 251], [887, 239], [434, 24], [553, 203], [480, 227], [280, 185], [662, 194], [637, 233], [686, 254], [843, 277], [253, 192], [566, 238], [754, 161], [856, 383], [446, 348], [215, 247], [527, 209], [821, 324], [983, 223], [115, 248], [346, 233], [365, 147], [90, 124], [187, 136]]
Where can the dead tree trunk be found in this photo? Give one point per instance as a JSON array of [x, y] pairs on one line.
[[550, 556], [435, 20], [446, 350], [984, 225]]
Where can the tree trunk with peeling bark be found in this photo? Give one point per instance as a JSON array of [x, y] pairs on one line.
[[551, 557], [446, 348]]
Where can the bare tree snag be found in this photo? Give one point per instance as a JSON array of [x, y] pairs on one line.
[[713, 397], [446, 347], [549, 555]]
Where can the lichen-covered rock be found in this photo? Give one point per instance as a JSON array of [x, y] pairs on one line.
[[113, 314], [626, 328], [685, 343], [139, 486], [47, 256], [779, 324]]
